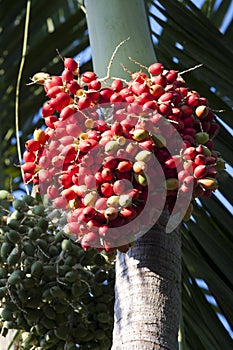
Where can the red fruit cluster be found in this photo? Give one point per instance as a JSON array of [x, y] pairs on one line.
[[100, 166]]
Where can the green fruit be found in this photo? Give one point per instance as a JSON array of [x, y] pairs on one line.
[[57, 292], [17, 215], [6, 196], [29, 249], [47, 323], [66, 245], [12, 223], [99, 334], [201, 137], [35, 232], [3, 292], [43, 223], [71, 276], [53, 251], [99, 260], [141, 179], [3, 272], [7, 315], [61, 332], [77, 290], [140, 134], [13, 236], [103, 317], [20, 205], [28, 199], [28, 283], [6, 248], [14, 257], [36, 268], [100, 276], [49, 312], [32, 315], [15, 277], [49, 271], [38, 210], [42, 244]]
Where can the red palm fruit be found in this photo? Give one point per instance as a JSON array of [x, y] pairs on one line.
[[110, 162], [200, 171], [100, 125], [67, 75], [116, 97], [149, 106], [189, 131], [200, 159], [52, 81], [117, 85], [70, 63], [170, 163], [60, 101], [165, 109], [54, 90], [190, 181], [73, 129], [90, 239], [85, 146], [47, 109], [145, 97], [87, 77], [106, 189], [75, 227], [103, 229], [98, 177], [90, 181], [156, 68], [107, 174], [186, 110], [65, 180], [68, 194], [118, 222], [94, 85], [67, 141], [192, 99], [57, 161], [49, 121], [188, 122], [124, 176], [52, 192], [111, 213], [84, 102], [32, 145], [87, 160], [93, 225], [133, 193], [167, 97], [60, 203], [89, 212], [101, 204], [157, 90], [29, 167], [121, 186], [124, 166], [171, 75], [66, 112], [73, 87], [117, 129], [29, 156], [129, 213], [189, 153], [105, 95]]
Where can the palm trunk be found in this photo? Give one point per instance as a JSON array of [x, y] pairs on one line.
[[147, 292]]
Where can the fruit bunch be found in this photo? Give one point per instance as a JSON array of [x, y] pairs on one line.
[[114, 154], [52, 290]]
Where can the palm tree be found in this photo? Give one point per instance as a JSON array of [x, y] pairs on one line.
[[189, 36]]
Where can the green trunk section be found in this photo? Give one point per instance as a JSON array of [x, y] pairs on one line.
[[109, 23]]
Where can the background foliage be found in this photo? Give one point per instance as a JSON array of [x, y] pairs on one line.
[[187, 36]]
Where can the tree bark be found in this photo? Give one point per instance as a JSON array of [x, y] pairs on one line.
[[147, 292]]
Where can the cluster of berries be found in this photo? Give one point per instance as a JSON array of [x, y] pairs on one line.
[[113, 155]]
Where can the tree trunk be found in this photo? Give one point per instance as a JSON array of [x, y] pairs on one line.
[[147, 291]]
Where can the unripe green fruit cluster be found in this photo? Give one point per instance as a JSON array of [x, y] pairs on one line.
[[52, 290]]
